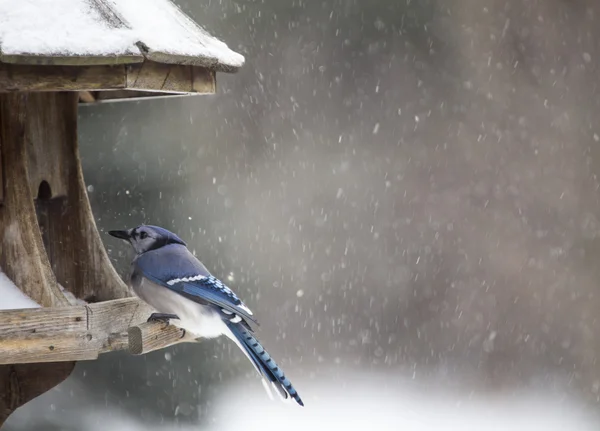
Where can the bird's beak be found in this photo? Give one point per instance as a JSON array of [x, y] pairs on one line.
[[121, 234]]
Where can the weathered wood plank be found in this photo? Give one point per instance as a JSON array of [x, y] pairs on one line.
[[34, 348], [21, 383], [117, 316], [179, 77], [146, 76], [151, 336], [71, 60], [205, 81], [79, 333], [42, 321], [72, 242], [115, 342], [16, 77], [22, 255], [170, 78]]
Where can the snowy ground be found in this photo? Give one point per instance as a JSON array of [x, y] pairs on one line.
[[365, 402], [351, 401]]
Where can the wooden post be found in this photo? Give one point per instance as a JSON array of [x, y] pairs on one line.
[[22, 255], [71, 240]]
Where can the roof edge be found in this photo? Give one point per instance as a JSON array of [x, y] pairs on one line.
[[61, 60]]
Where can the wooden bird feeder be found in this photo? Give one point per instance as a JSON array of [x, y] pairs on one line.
[[55, 54]]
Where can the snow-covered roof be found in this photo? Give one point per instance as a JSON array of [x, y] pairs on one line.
[[98, 32]]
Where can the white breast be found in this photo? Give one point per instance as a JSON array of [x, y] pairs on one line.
[[195, 318]]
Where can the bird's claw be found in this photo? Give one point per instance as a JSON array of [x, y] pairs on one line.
[[162, 317]]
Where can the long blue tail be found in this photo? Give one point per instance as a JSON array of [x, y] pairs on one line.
[[263, 362]]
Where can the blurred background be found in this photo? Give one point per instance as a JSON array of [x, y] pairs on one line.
[[405, 193]]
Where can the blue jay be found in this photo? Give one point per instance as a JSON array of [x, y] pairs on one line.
[[169, 278]]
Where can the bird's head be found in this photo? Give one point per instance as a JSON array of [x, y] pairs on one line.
[[145, 237]]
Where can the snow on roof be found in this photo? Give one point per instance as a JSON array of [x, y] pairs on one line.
[[11, 296], [107, 32]]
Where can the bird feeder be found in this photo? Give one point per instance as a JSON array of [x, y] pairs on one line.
[[55, 54]]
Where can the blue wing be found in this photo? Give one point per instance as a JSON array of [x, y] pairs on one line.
[[214, 291], [175, 268]]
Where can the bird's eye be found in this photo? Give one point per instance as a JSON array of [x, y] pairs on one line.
[[143, 235]]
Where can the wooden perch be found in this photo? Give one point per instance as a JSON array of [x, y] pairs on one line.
[[79, 333], [151, 336]]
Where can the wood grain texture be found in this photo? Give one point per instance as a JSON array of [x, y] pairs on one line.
[[205, 81], [42, 321], [33, 348], [150, 336], [145, 76], [71, 239], [16, 77], [22, 255], [170, 78], [79, 333], [21, 383], [70, 60], [118, 315]]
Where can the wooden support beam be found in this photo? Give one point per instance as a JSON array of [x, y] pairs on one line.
[[22, 255], [64, 215], [145, 76], [80, 333], [170, 78], [17, 77]]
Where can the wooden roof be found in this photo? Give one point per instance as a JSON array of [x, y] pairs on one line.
[[147, 45]]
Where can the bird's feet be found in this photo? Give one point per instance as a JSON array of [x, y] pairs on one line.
[[162, 317]]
